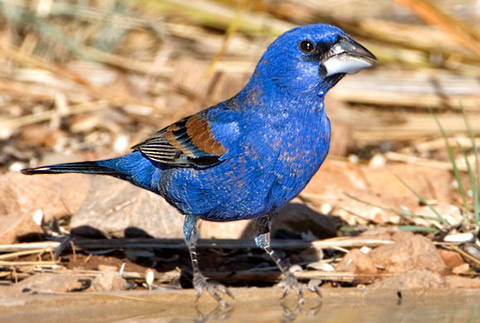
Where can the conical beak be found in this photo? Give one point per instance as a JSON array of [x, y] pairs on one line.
[[347, 56]]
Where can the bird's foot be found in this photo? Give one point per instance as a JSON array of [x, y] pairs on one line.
[[290, 282], [213, 288]]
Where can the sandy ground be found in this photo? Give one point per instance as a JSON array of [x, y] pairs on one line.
[[251, 304]]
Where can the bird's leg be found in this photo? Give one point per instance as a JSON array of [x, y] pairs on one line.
[[199, 281], [262, 240], [289, 281]]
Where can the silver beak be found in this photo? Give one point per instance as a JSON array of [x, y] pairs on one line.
[[347, 56]]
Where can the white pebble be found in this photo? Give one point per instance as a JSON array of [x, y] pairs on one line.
[[38, 217], [16, 166]]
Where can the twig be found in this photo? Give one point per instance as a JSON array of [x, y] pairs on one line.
[[459, 32], [162, 277], [275, 276], [28, 263], [22, 253], [16, 123], [15, 54], [464, 254], [178, 244], [470, 102], [231, 30], [393, 156], [224, 243], [28, 246], [335, 276]]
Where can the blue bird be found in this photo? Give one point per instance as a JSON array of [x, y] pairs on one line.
[[246, 157]]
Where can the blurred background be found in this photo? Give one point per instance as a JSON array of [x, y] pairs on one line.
[[95, 77], [87, 79]]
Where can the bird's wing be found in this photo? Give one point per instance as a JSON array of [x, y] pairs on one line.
[[186, 143]]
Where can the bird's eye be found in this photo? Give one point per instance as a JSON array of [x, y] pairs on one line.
[[306, 46]]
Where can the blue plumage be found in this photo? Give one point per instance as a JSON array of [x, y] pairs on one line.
[[248, 156]]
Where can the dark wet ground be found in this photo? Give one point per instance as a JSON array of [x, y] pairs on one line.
[[251, 305]]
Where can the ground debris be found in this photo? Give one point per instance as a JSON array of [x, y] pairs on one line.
[[108, 281], [45, 283], [97, 90], [409, 252], [357, 262]]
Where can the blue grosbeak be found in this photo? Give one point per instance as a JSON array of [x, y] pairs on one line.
[[246, 157]]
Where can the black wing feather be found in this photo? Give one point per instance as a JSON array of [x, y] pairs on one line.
[[175, 147]]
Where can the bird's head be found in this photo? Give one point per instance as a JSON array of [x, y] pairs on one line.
[[313, 58]]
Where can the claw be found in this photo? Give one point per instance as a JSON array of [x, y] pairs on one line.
[[213, 288], [225, 290], [313, 287], [290, 282]]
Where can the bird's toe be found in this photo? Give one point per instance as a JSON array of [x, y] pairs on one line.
[[201, 284], [313, 287], [290, 282]]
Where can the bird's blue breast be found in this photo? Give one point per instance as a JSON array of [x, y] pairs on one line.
[[266, 165]]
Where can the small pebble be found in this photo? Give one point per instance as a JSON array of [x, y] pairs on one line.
[[461, 269], [459, 237], [149, 278]]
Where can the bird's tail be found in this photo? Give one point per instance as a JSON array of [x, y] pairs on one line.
[[89, 167], [132, 167]]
